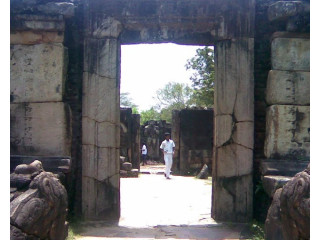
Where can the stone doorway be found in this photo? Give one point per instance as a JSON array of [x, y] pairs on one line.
[[226, 25]]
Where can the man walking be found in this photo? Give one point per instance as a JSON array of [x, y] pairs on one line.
[[167, 147], [144, 152]]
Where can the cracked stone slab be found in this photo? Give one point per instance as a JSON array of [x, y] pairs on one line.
[[290, 54], [288, 87], [287, 131], [37, 73], [40, 129]]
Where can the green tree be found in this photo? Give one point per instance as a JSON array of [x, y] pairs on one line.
[[203, 77], [173, 96], [151, 114], [127, 102]]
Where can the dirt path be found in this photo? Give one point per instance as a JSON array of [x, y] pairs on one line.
[[153, 207]]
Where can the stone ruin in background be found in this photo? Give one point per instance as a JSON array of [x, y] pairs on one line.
[[152, 134]]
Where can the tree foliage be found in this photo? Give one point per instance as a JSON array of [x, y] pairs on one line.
[[147, 115], [126, 101], [203, 77], [173, 96]]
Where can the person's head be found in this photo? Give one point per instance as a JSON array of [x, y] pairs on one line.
[[167, 136]]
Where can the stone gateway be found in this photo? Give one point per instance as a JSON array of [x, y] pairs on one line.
[[65, 89]]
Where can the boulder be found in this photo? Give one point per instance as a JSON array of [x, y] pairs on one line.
[[289, 214], [39, 209], [204, 173], [126, 166]]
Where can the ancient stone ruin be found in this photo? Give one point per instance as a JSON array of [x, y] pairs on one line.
[[289, 214], [192, 131], [38, 204], [65, 80], [130, 137], [152, 134]]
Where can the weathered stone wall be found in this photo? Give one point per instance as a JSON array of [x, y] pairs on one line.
[[288, 88], [282, 94], [192, 132], [130, 136], [152, 134], [46, 85]]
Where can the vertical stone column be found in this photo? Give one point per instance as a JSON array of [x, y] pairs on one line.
[[101, 120], [175, 135], [135, 140], [233, 137]]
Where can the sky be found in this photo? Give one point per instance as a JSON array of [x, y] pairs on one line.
[[145, 68]]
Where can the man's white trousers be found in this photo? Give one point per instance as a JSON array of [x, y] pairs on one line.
[[168, 162]]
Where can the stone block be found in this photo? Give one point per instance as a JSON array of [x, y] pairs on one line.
[[89, 130], [272, 183], [133, 173], [282, 9], [40, 129], [30, 37], [37, 73], [234, 160], [106, 27], [224, 125], [38, 25], [288, 87], [101, 56], [290, 54], [287, 132], [232, 199], [107, 164], [243, 134], [98, 94], [107, 134], [126, 166], [278, 167], [57, 8], [234, 84]]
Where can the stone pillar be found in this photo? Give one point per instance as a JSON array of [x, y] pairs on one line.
[[135, 141], [101, 120], [233, 137], [40, 119], [288, 97], [175, 136]]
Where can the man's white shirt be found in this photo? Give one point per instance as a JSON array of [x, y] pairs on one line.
[[144, 150], [167, 146]]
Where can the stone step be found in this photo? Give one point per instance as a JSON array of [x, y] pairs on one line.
[[272, 183], [278, 167]]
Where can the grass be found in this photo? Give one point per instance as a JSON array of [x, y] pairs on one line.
[[75, 228], [257, 230]]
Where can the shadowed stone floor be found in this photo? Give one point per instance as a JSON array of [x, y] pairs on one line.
[[153, 207]]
